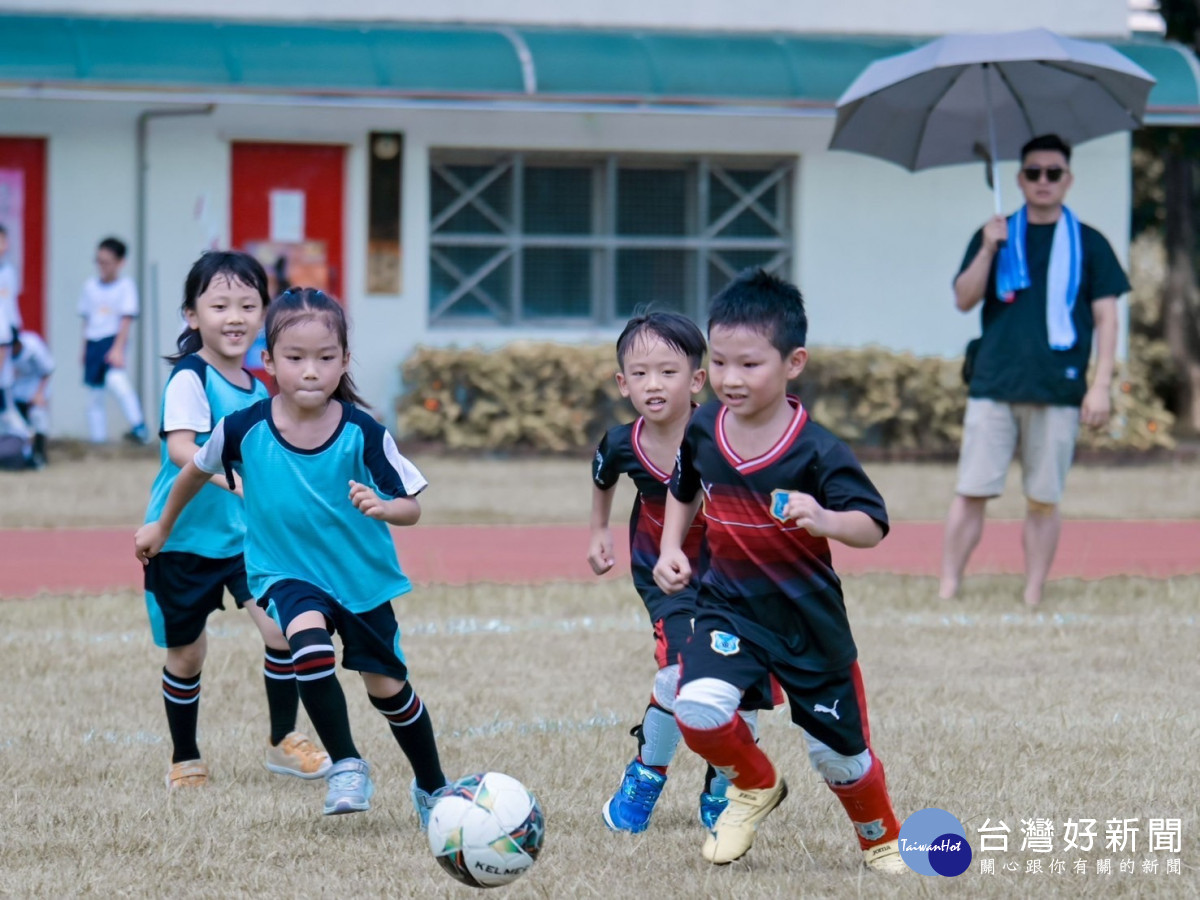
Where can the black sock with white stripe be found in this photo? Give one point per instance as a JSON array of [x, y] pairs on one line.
[[282, 699], [181, 697], [316, 681], [413, 729]]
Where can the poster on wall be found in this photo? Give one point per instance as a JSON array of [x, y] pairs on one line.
[[287, 216], [12, 217], [302, 264], [292, 264]]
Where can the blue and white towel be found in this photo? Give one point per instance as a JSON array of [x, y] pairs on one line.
[[1062, 279]]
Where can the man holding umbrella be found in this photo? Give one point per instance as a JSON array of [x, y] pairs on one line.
[[1048, 284]]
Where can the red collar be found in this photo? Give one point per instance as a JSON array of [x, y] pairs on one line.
[[746, 466]]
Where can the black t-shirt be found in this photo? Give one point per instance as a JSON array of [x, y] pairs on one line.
[[773, 581], [1015, 363], [619, 452]]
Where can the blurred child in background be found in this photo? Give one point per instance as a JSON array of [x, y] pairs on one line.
[[108, 304]]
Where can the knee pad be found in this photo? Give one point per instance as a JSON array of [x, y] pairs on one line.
[[707, 703], [666, 686], [834, 767], [1038, 508]]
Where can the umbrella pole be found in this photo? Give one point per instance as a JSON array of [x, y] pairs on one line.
[[992, 152]]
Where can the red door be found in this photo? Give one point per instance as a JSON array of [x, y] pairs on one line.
[[286, 206], [23, 215]]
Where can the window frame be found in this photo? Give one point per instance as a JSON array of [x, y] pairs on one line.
[[702, 240]]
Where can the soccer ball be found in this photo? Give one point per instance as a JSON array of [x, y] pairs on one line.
[[486, 829]]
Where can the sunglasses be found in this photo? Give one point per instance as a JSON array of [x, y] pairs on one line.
[[1053, 174]]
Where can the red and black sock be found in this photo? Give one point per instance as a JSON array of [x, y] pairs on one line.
[[413, 730], [282, 698], [315, 666], [182, 699]]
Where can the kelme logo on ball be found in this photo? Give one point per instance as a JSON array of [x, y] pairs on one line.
[[933, 842]]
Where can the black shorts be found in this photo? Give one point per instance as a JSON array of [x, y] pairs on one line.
[[183, 588], [95, 367], [830, 706], [370, 640], [671, 635]]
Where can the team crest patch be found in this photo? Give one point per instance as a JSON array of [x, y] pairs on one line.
[[779, 502], [870, 831], [724, 643]]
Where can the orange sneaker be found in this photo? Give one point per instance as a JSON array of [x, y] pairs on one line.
[[190, 773], [298, 756]]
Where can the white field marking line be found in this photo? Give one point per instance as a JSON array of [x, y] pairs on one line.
[[538, 726], [634, 623], [123, 738], [453, 627], [535, 726], [1056, 620], [770, 719]]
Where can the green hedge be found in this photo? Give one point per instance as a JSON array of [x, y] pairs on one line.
[[557, 397]]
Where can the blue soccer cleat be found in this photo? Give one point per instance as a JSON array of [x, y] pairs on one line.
[[713, 801], [422, 802], [630, 807], [711, 807], [350, 787]]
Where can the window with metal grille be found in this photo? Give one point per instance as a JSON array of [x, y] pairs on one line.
[[556, 239]]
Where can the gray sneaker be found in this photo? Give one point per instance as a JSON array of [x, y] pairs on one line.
[[350, 787], [422, 802]]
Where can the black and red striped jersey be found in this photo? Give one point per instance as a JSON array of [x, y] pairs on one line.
[[620, 452], [773, 580]]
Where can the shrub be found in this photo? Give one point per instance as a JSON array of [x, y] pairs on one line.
[[560, 398]]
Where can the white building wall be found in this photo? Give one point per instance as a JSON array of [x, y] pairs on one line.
[[1081, 17], [876, 247], [90, 186]]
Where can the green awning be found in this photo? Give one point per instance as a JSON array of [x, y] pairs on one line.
[[500, 64]]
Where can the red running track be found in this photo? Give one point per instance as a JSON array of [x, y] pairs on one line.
[[91, 561]]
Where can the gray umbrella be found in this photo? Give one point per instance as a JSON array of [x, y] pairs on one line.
[[967, 97]]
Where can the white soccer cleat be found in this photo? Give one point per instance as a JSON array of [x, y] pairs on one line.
[[885, 858]]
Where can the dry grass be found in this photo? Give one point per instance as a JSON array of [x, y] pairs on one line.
[[109, 489], [1084, 710]]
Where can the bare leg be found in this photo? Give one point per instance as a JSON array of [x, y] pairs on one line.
[[1043, 523], [964, 527], [187, 661]]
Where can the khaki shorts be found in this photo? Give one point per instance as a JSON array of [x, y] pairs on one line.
[[992, 432]]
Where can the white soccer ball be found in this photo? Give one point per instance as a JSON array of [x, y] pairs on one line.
[[486, 829]]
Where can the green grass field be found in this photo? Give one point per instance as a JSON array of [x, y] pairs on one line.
[[983, 709], [980, 707]]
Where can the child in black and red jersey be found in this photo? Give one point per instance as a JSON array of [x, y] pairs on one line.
[[660, 357], [775, 488]]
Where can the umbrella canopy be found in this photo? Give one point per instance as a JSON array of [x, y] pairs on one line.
[[967, 97]]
